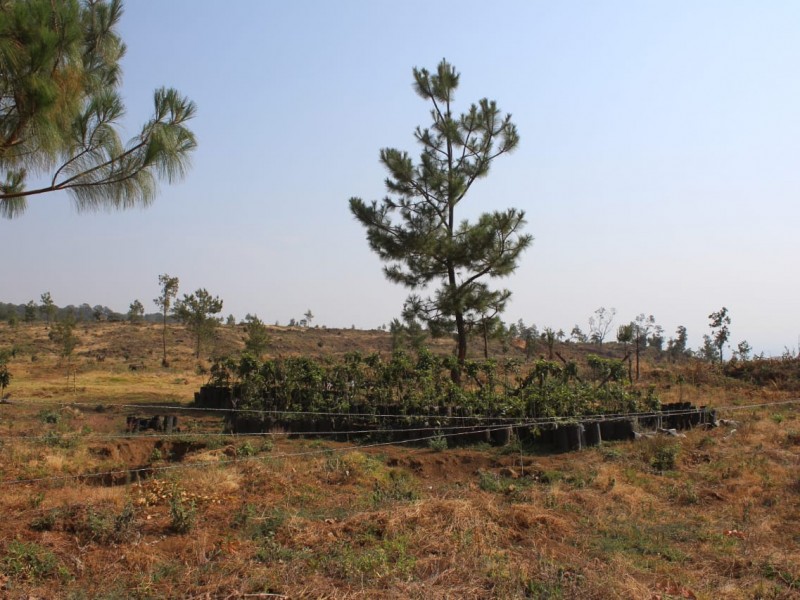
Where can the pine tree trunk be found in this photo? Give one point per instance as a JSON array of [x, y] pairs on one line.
[[461, 332]]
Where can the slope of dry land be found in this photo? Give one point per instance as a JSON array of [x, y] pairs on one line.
[[199, 514]]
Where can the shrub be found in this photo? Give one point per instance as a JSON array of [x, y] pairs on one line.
[[661, 454], [182, 514]]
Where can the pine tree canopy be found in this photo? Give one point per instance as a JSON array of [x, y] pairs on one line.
[[60, 105], [415, 228]]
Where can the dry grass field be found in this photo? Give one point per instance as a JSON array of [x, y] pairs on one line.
[[199, 514]]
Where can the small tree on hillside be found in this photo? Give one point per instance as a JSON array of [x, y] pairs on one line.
[[136, 312], [709, 350], [309, 317], [47, 309], [63, 336], [577, 335], [625, 335], [257, 340], [169, 290], [719, 328], [677, 347], [197, 311], [656, 339], [30, 312], [743, 350], [549, 338], [642, 327], [600, 324]]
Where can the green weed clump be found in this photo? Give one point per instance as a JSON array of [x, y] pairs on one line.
[[102, 526], [372, 559], [660, 454], [398, 486], [50, 416], [182, 514], [438, 443], [29, 561]]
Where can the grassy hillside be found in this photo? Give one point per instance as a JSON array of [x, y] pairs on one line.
[[91, 512]]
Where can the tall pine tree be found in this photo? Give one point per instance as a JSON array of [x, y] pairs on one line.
[[416, 228]]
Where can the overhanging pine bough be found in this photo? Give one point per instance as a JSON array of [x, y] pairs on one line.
[[59, 106], [414, 229]]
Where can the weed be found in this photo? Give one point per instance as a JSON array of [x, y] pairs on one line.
[[29, 561], [182, 514], [105, 527], [389, 557], [398, 486], [580, 479], [777, 418], [246, 449], [46, 522], [610, 454], [50, 416], [438, 443], [243, 516], [543, 590], [496, 483], [784, 576], [686, 494], [707, 442], [489, 482], [661, 453], [633, 539], [550, 476], [56, 440], [156, 455]]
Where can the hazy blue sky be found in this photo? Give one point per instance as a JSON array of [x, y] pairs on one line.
[[659, 162]]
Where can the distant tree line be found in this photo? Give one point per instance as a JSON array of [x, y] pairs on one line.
[[33, 312]]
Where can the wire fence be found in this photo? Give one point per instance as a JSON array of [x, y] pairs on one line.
[[436, 431]]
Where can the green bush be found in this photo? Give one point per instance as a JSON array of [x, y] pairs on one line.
[[662, 454]]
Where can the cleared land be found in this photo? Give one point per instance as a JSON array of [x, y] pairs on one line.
[[713, 515]]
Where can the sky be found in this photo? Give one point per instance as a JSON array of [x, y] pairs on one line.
[[658, 161]]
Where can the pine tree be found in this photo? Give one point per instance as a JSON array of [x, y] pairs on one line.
[[416, 229], [197, 311], [60, 105]]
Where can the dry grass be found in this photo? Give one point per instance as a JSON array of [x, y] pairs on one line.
[[712, 515]]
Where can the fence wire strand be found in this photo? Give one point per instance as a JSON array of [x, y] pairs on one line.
[[439, 434]]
